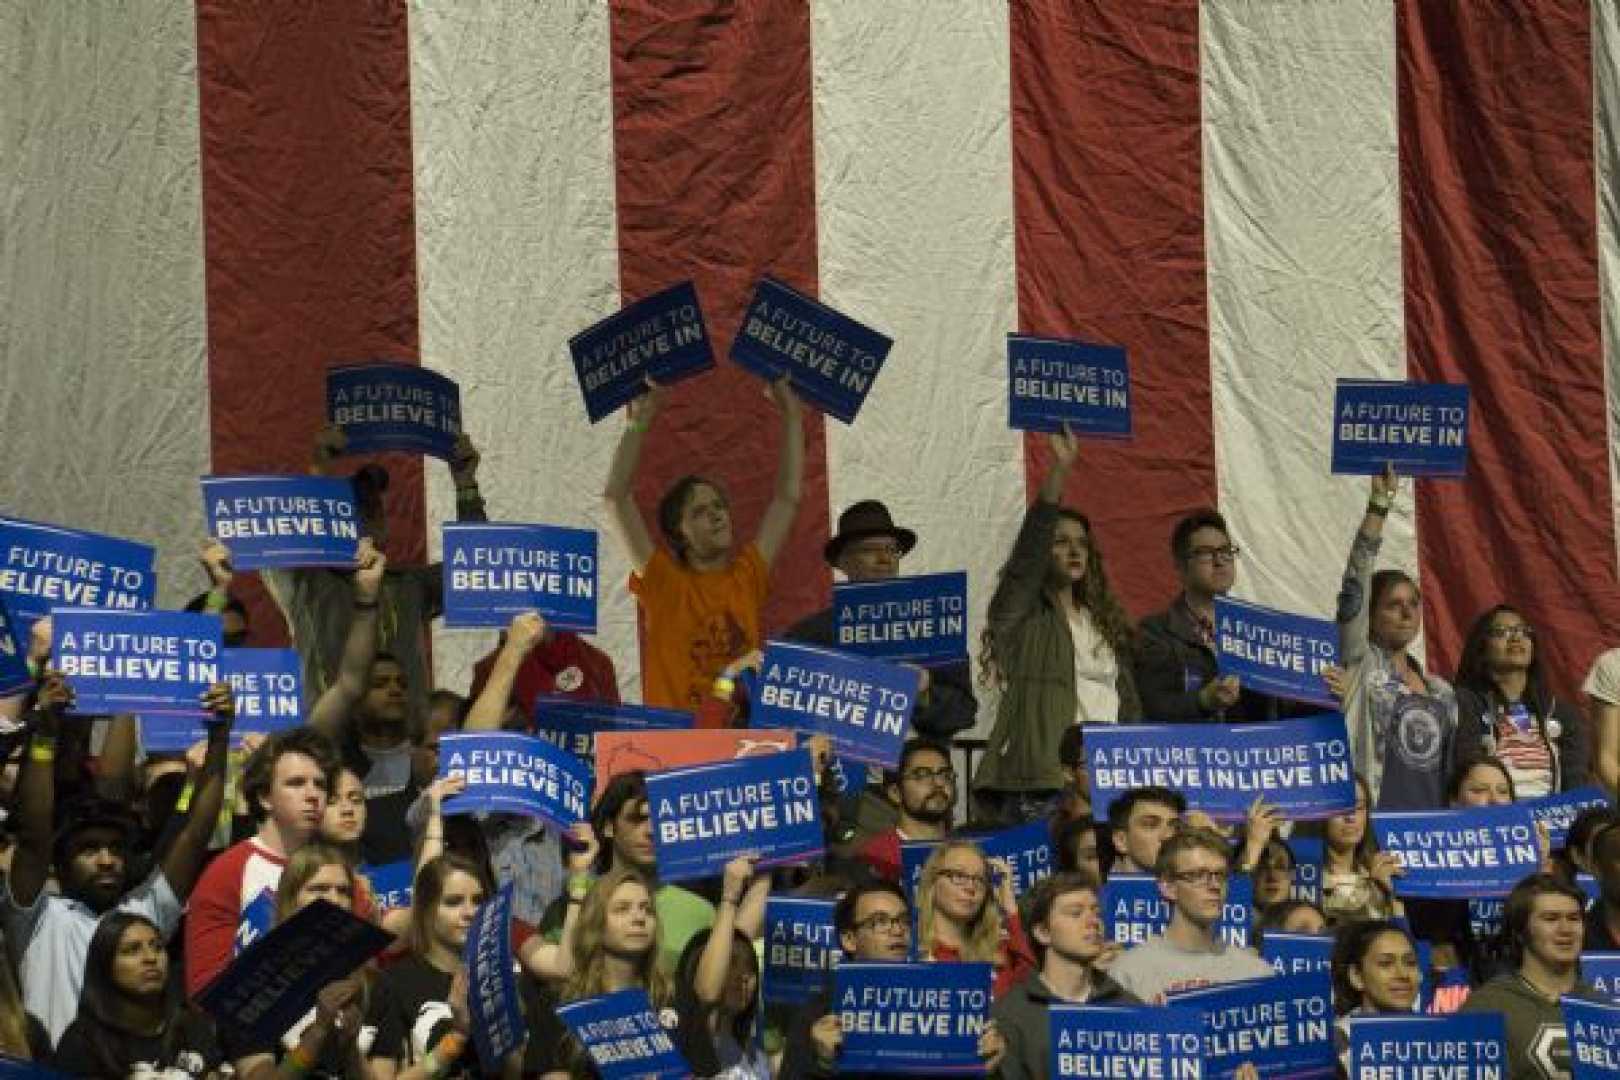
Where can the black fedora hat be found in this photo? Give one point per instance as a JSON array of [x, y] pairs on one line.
[[866, 518]]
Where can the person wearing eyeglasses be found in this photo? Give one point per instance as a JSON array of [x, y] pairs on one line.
[[873, 922], [967, 910], [1506, 709], [923, 788], [1400, 719], [1192, 870], [1177, 671]]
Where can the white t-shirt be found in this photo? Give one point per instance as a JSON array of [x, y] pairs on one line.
[[1096, 672], [1603, 682]]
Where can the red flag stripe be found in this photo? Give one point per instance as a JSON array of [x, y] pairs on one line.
[[1108, 196], [716, 183], [1500, 259], [309, 224]]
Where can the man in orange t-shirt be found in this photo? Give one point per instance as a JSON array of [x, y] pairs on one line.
[[700, 600]]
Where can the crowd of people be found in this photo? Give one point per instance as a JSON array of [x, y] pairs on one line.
[[133, 878]]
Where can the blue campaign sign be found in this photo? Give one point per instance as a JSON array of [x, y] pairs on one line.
[[623, 1036], [572, 723], [830, 358], [1559, 810], [1293, 954], [268, 988], [1485, 916], [704, 816], [1307, 868], [268, 685], [508, 773], [1163, 1041], [1283, 1025], [922, 1019], [493, 572], [159, 662], [1460, 853], [919, 619], [23, 1069], [1052, 382], [660, 337], [1275, 652], [1301, 766], [46, 566], [801, 948], [269, 521], [492, 994], [1134, 910], [1602, 970], [863, 706], [1471, 1045], [391, 884], [1594, 1038], [14, 674], [394, 406], [1422, 428], [1027, 850]]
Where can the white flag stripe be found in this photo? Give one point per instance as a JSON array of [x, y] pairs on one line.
[[915, 229], [1606, 151], [103, 383], [1303, 233], [517, 249]]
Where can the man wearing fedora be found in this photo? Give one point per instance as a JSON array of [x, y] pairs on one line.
[[868, 546]]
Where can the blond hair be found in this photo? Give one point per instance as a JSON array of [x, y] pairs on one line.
[[981, 938]]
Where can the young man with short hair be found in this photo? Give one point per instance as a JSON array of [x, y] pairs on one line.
[[1066, 926], [1542, 928], [873, 921], [1139, 822], [923, 787], [285, 783], [1192, 870]]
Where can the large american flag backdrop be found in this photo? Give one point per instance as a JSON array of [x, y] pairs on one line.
[[206, 203]]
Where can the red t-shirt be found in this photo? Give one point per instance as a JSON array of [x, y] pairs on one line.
[[565, 663], [233, 881]]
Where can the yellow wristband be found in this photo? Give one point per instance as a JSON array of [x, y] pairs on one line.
[[449, 1048], [42, 751], [724, 687]]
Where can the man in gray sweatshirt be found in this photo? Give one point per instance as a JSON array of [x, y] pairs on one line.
[[1065, 924], [1543, 926]]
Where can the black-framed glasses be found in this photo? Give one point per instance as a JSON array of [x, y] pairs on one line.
[[946, 775], [962, 879], [1199, 877], [884, 923], [1224, 554], [1516, 632]]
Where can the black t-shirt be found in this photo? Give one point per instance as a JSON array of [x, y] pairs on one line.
[[410, 1010], [331, 1064], [391, 788], [184, 1050]]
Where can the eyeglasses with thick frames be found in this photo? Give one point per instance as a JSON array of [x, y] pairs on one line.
[[945, 775], [1516, 632], [1225, 554], [962, 879], [1199, 877], [884, 923]]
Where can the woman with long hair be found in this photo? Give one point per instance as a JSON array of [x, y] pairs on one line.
[[967, 910], [1059, 645], [329, 1041], [21, 1034], [1506, 709], [719, 974], [1358, 880], [616, 948], [131, 1019], [1401, 720], [701, 598], [418, 1008], [1375, 973]]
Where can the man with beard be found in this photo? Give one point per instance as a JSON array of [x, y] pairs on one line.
[[92, 854], [924, 789], [366, 713], [1542, 927], [1065, 922]]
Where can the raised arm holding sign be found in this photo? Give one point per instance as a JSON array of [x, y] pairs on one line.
[[661, 337], [1053, 384], [828, 357]]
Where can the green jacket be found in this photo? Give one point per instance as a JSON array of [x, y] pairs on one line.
[[1035, 653]]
